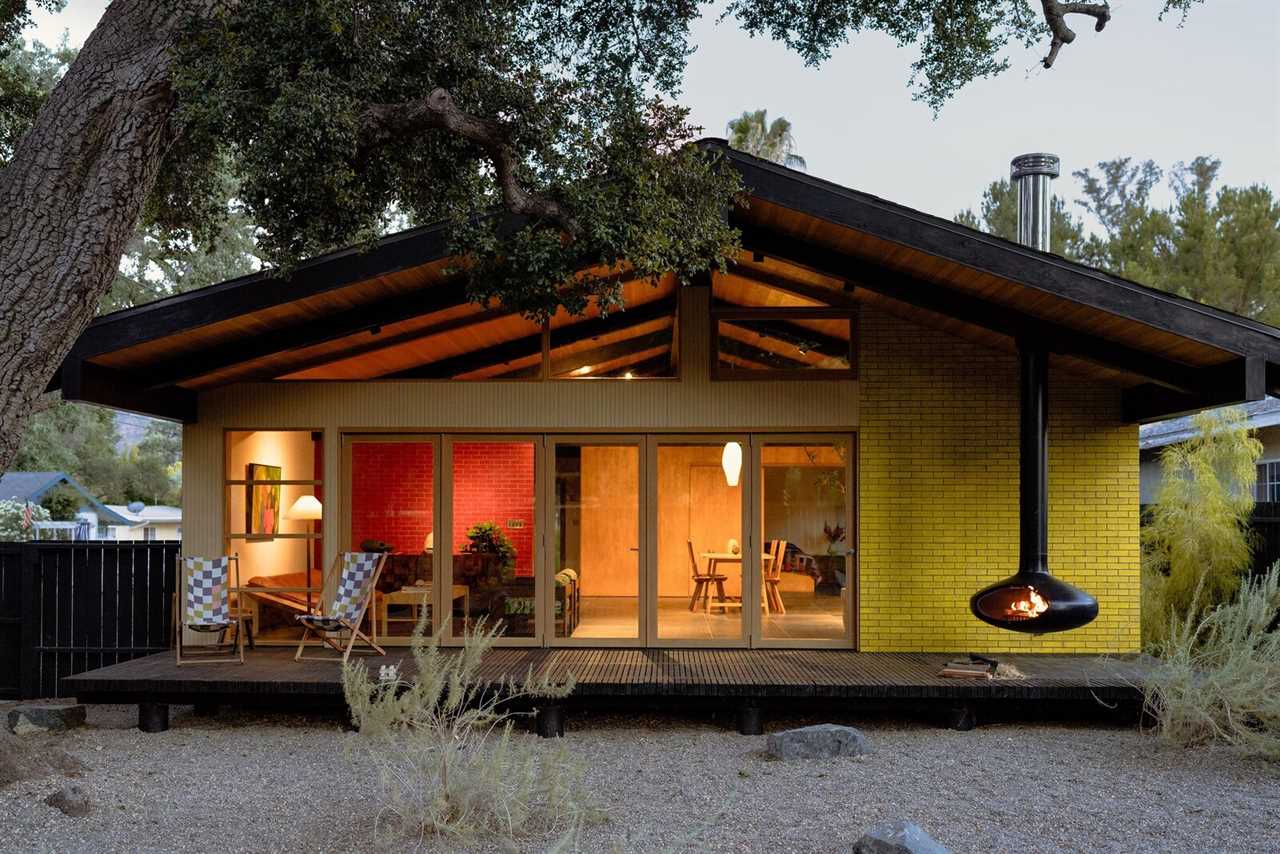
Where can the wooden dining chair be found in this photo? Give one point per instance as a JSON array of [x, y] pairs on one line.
[[772, 575], [702, 581]]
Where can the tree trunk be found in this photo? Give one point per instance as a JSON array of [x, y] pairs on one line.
[[73, 194]]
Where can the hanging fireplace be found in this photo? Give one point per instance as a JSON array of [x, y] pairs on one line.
[[1032, 600]]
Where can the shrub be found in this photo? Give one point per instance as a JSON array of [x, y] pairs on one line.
[[12, 515], [448, 761], [1219, 678], [1197, 535]]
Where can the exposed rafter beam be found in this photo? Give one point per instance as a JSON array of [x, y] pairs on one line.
[[92, 383], [789, 333], [1238, 381], [569, 362], [330, 327], [926, 295], [774, 361], [519, 348]]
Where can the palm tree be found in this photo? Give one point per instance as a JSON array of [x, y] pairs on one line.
[[753, 133]]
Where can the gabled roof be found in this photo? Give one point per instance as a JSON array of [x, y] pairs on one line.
[[1258, 414], [32, 486], [390, 311]]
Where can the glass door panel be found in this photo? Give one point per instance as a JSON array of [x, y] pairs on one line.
[[493, 535], [392, 509], [806, 588], [595, 550], [700, 542]]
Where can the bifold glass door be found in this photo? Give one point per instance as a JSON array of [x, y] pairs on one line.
[[807, 583], [661, 540], [698, 520]]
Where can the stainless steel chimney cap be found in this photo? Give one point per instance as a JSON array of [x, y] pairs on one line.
[[1037, 163]]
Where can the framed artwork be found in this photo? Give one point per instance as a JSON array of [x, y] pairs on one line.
[[262, 504]]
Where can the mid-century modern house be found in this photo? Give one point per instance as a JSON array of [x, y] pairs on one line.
[[835, 443]]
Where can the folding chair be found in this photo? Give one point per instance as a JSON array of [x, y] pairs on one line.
[[202, 603], [356, 584]]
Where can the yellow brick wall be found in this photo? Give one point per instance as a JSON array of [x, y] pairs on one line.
[[938, 494]]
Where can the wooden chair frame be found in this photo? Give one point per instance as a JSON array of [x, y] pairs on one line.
[[215, 655], [352, 627]]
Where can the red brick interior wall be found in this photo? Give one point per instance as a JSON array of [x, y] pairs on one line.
[[391, 493], [493, 482]]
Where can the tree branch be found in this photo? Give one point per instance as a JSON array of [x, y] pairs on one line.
[[383, 124], [1055, 15]]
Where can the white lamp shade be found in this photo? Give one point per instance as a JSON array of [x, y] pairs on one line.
[[731, 462], [307, 508], [430, 543]]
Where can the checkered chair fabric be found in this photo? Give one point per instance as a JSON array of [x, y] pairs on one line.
[[208, 607], [353, 589]]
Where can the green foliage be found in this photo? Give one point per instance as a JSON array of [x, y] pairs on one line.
[[83, 441], [12, 529], [753, 133], [449, 763], [1221, 248], [1197, 543], [1218, 680], [62, 502], [488, 538], [27, 75], [998, 215]]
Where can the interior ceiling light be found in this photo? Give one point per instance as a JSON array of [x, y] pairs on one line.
[[731, 462]]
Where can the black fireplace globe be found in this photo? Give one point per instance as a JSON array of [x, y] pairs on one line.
[[1035, 603]]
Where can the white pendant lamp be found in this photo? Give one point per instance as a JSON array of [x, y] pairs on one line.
[[731, 462]]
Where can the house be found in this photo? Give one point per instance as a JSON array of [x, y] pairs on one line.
[[146, 522], [836, 443], [1262, 416], [94, 520]]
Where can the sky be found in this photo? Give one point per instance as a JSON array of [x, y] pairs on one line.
[[1142, 88]]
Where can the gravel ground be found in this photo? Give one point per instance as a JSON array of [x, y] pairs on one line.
[[250, 782]]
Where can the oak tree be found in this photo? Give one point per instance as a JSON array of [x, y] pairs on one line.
[[331, 115]]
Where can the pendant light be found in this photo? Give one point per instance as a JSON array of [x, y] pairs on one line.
[[731, 462]]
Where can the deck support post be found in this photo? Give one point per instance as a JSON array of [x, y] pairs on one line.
[[750, 719], [153, 717], [549, 721], [962, 717]]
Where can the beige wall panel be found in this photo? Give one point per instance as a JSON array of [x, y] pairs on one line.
[[610, 521]]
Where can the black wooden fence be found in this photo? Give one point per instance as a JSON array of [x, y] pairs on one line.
[[70, 607]]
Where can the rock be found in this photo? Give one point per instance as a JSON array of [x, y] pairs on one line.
[[31, 718], [819, 740], [897, 837], [21, 759], [71, 800]]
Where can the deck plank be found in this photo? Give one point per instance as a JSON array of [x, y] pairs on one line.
[[600, 672]]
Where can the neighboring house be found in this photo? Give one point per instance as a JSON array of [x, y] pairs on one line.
[[1263, 417], [146, 522], [93, 519], [819, 447]]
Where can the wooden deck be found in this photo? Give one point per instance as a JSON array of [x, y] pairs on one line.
[[271, 675]]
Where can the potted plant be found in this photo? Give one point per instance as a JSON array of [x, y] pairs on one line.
[[487, 538], [834, 535]]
